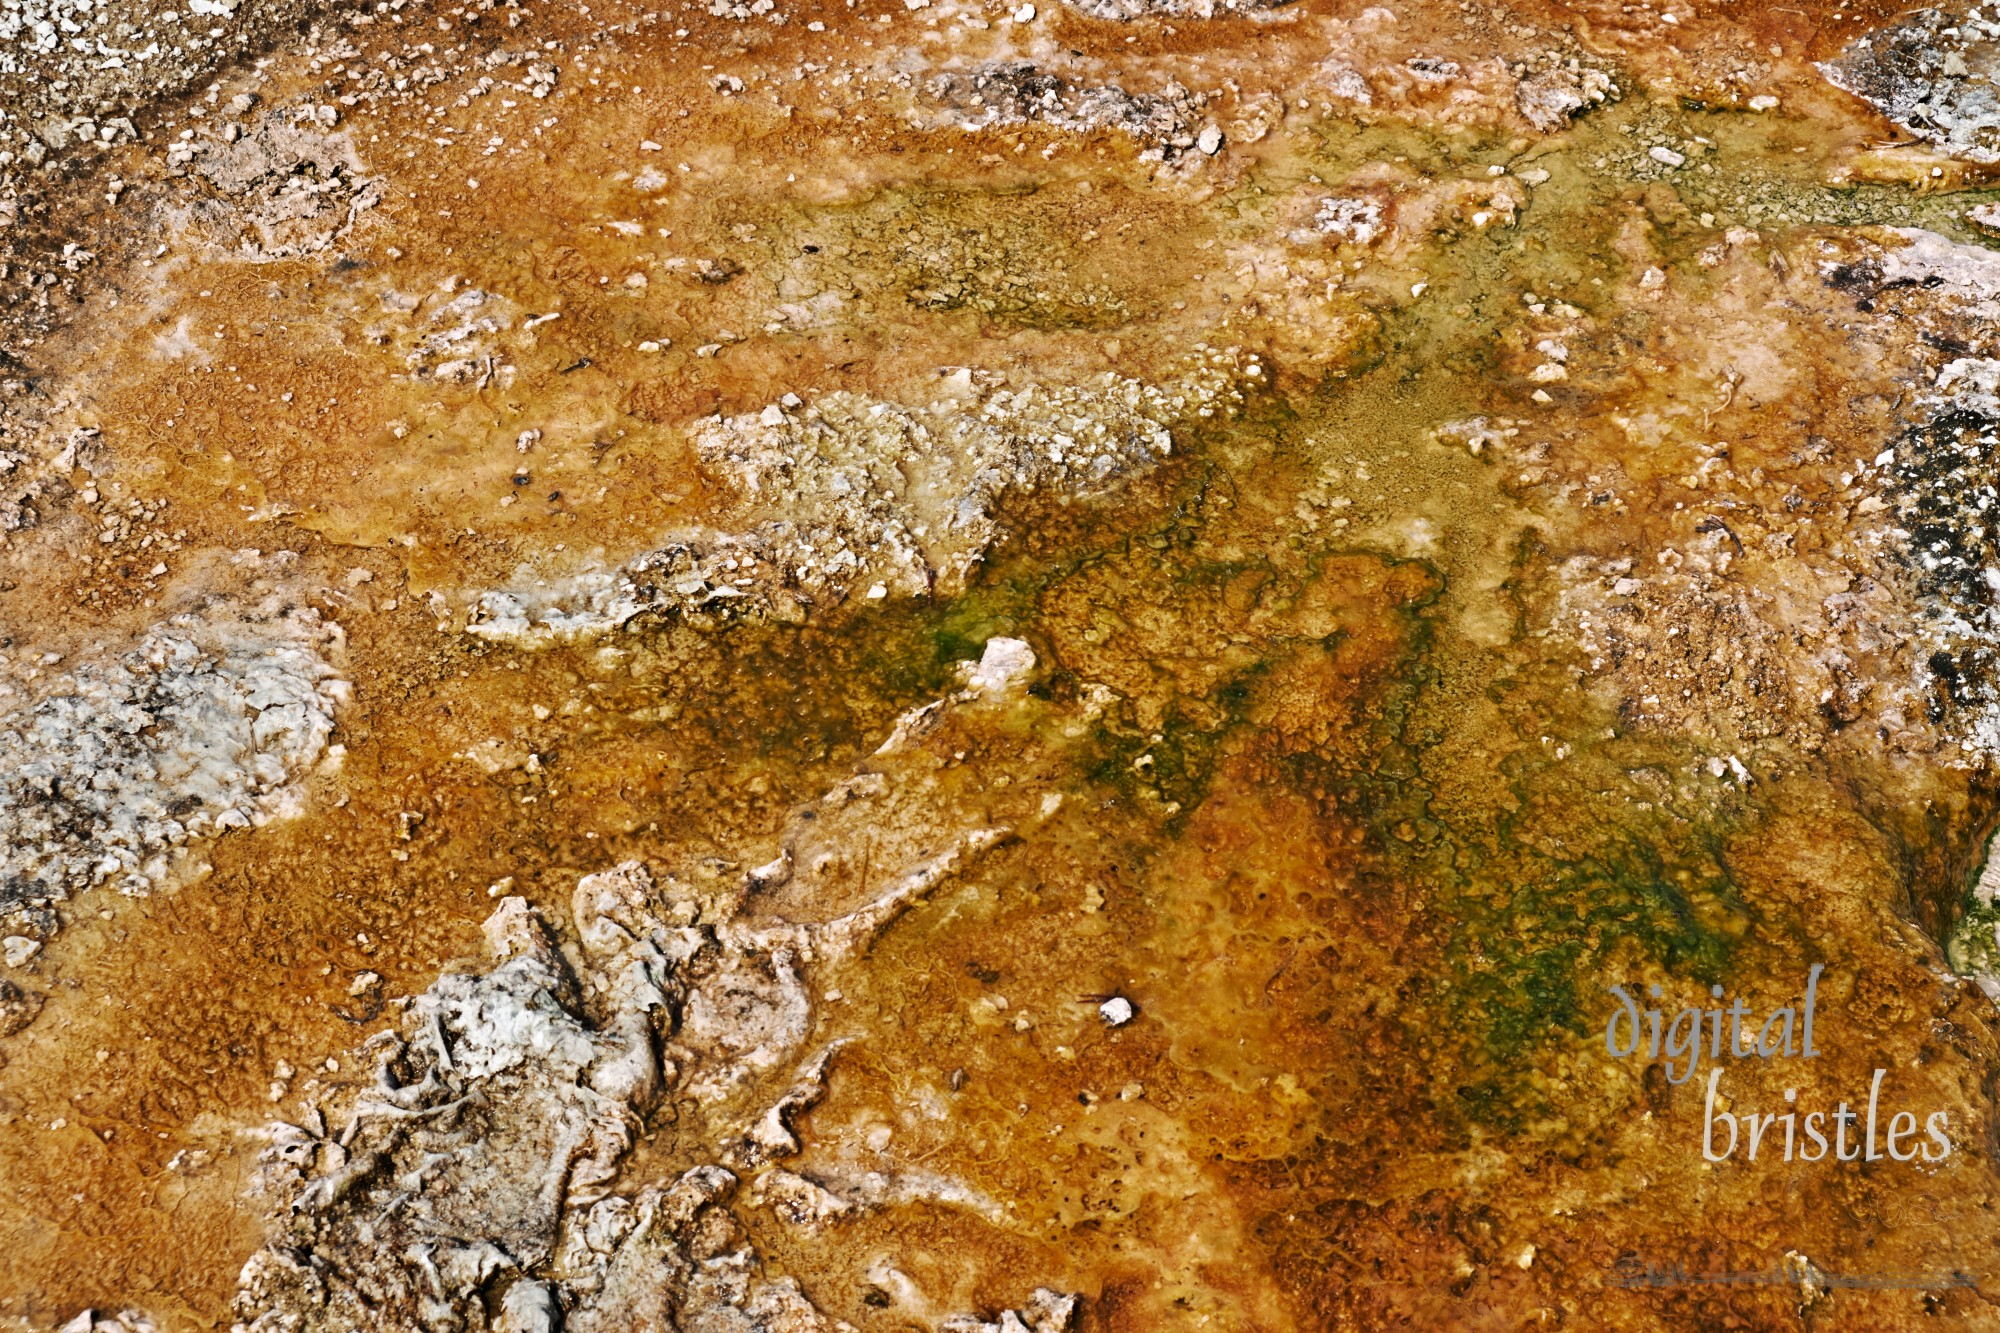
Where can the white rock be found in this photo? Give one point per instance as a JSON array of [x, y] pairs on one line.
[[834, 496], [1116, 1011], [1209, 141], [18, 949], [1358, 220], [1665, 156], [213, 714], [1003, 665]]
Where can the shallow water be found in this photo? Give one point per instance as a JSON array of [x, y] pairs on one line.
[[1371, 782]]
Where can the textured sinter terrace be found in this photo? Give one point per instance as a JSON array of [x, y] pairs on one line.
[[989, 666]]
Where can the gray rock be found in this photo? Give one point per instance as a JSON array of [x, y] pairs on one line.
[[480, 1179], [849, 493], [1019, 93], [1930, 74], [119, 765]]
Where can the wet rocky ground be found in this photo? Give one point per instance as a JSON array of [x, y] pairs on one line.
[[957, 665]]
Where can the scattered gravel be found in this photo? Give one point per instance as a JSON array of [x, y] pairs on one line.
[[1931, 74], [858, 495], [1167, 122], [1123, 11], [74, 73]]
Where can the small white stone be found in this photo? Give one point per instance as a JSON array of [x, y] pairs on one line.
[[1209, 141], [1665, 156], [773, 415], [1025, 14], [1763, 102], [1116, 1011], [1003, 664], [18, 949]]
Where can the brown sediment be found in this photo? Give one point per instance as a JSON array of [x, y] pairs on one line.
[[1375, 772]]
